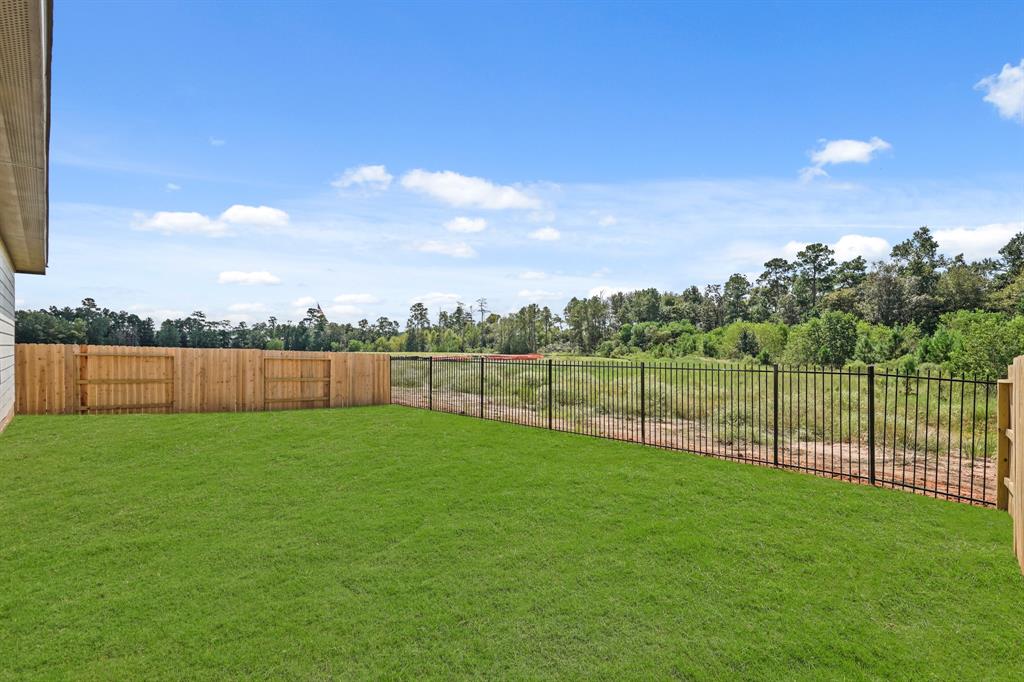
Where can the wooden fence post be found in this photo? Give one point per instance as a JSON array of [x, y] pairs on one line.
[[1004, 391], [1013, 481], [70, 379]]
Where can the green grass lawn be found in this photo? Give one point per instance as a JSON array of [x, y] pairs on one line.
[[392, 542]]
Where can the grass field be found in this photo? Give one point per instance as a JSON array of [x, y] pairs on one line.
[[392, 542]]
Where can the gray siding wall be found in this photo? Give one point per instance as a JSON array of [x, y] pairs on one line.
[[6, 334]]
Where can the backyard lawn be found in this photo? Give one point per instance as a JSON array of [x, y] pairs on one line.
[[394, 542]]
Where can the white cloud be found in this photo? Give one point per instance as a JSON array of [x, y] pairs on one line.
[[181, 222], [852, 245], [247, 307], [370, 177], [255, 277], [604, 291], [1005, 91], [453, 249], [304, 302], [977, 242], [171, 187], [846, 247], [435, 298], [607, 221], [810, 172], [356, 298], [835, 152], [532, 274], [259, 216], [19, 302], [545, 234], [192, 222], [463, 190], [217, 142], [464, 224], [539, 294], [848, 151]]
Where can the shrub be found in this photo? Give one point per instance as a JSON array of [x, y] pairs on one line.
[[747, 343], [827, 340], [980, 342]]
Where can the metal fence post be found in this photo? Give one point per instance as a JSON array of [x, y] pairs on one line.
[[775, 414], [550, 397], [430, 382], [481, 386], [871, 424], [643, 405]]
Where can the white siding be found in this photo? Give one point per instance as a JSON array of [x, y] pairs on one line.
[[6, 335]]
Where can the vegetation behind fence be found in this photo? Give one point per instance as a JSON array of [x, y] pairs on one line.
[[932, 433], [73, 379]]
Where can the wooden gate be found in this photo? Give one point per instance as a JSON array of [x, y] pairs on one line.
[[296, 382], [1011, 452], [117, 382]]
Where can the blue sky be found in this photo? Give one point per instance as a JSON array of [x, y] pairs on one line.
[[245, 159]]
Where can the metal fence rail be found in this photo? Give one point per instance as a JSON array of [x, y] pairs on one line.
[[930, 433]]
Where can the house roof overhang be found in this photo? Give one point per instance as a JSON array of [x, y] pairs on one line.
[[26, 29]]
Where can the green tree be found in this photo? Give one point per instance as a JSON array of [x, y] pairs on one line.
[[747, 343], [827, 340], [884, 296], [711, 314], [850, 274], [1012, 257], [735, 298], [774, 283], [169, 335], [982, 342], [962, 286], [587, 320], [815, 263], [39, 326], [919, 262]]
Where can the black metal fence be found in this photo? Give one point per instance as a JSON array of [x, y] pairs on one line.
[[931, 433]]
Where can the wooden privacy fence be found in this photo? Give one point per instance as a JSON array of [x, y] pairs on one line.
[[81, 379], [1011, 452]]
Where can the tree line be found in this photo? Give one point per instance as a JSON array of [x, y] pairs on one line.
[[915, 307]]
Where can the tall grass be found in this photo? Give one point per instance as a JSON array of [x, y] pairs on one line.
[[920, 412]]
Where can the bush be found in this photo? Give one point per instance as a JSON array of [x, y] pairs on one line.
[[747, 344], [981, 343], [906, 364], [747, 339], [827, 340]]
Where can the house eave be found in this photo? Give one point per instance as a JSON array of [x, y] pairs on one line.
[[25, 58]]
